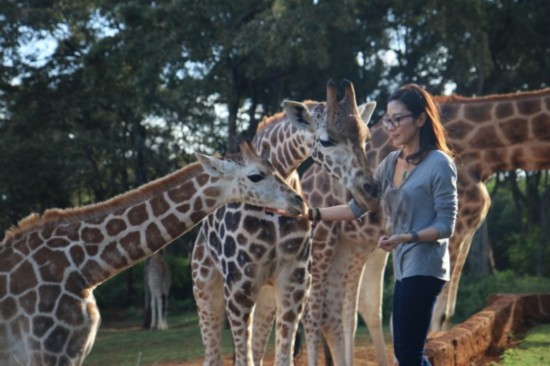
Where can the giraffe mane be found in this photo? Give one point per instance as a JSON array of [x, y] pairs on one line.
[[133, 197], [455, 98], [280, 116]]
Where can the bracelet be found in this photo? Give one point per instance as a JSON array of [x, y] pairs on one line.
[[317, 217], [414, 237]]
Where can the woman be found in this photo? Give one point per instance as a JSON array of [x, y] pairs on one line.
[[419, 199]]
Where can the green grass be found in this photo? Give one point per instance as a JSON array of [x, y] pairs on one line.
[[125, 346], [128, 343], [534, 350], [182, 341]]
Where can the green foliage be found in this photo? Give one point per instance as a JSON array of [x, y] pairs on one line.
[[182, 283], [85, 113], [113, 294], [514, 225], [522, 251], [474, 291]]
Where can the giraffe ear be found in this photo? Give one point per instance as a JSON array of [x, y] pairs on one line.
[[297, 114], [366, 110], [214, 166]]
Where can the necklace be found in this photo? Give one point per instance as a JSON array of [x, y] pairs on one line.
[[406, 169]]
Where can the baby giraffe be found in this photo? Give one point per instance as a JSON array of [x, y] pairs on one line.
[[50, 264]]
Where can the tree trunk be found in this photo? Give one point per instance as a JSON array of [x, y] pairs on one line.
[[544, 227], [480, 260], [233, 109]]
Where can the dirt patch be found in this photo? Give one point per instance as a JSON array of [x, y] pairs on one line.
[[363, 356]]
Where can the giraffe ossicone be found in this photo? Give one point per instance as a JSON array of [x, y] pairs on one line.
[[50, 264]]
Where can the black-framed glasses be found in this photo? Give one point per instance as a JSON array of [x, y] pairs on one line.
[[394, 122]]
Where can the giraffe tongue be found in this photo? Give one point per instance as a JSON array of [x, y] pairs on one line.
[[277, 211]]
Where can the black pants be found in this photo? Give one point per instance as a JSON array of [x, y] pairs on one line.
[[413, 304]]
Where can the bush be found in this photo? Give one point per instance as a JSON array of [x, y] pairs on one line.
[[113, 294], [473, 291]]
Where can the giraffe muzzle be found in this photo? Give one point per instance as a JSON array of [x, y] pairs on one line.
[[298, 206], [372, 189]]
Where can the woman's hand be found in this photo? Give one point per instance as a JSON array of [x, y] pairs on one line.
[[387, 243]]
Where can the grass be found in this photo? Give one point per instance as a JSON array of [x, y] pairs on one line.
[[126, 343], [125, 346], [534, 350]]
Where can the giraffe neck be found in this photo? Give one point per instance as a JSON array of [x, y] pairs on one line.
[[284, 146], [105, 239], [501, 132]]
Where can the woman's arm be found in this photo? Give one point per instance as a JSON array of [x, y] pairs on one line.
[[334, 213]]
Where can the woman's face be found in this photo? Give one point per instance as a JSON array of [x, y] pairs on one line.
[[401, 124]]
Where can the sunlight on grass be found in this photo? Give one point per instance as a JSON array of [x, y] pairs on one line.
[[532, 351], [121, 347], [126, 345]]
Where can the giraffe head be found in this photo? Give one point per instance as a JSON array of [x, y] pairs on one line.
[[253, 180], [341, 134]]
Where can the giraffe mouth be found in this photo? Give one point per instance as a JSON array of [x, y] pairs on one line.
[[297, 210]]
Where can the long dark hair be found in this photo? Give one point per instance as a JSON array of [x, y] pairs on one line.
[[432, 133]]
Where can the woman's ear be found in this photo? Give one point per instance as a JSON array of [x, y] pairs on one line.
[[420, 120]]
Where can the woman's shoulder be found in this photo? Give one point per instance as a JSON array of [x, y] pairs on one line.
[[439, 158], [437, 155]]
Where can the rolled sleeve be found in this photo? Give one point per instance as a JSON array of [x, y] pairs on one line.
[[357, 210]]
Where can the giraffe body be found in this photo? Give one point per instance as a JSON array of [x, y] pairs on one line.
[[50, 265], [255, 266], [489, 134], [159, 280]]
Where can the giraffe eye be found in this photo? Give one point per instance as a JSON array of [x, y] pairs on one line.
[[256, 177], [327, 143]]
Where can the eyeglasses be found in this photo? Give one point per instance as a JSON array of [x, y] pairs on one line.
[[394, 122]]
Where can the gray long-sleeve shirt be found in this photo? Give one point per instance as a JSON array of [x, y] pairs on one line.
[[426, 198]]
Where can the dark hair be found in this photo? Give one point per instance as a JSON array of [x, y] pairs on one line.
[[432, 133]]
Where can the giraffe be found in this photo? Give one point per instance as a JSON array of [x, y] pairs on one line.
[[158, 281], [50, 264], [490, 134], [246, 259]]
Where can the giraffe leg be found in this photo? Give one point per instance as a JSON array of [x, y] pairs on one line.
[[349, 307], [311, 323], [240, 308], [370, 301], [164, 310], [264, 314], [445, 304], [322, 252], [161, 324], [154, 312], [333, 314], [292, 289], [208, 293]]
